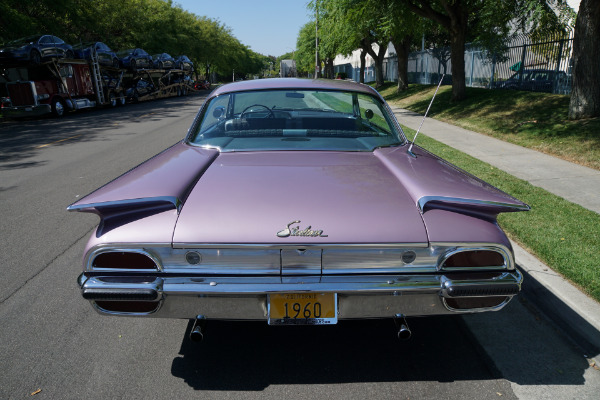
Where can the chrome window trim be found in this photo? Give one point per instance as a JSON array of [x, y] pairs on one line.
[[385, 107]]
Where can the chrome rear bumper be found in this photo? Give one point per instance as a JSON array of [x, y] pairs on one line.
[[245, 298]]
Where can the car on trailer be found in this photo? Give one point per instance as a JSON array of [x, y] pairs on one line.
[[35, 49], [134, 59], [297, 201], [163, 61], [106, 56], [184, 63]]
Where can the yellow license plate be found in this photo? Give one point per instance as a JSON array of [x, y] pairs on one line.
[[302, 309]]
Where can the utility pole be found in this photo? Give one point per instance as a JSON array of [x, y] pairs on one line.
[[317, 63]]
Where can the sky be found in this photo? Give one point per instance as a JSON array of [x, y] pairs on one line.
[[268, 27]]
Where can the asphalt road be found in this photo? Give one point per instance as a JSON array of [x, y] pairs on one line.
[[52, 341]]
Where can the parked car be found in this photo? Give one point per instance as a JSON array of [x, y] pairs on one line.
[[202, 85], [295, 201], [35, 49], [105, 55], [537, 80], [184, 63], [163, 61], [134, 59]]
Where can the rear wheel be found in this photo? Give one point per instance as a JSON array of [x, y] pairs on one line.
[[112, 99], [58, 107]]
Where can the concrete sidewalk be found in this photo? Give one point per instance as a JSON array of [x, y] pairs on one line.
[[578, 184], [574, 312]]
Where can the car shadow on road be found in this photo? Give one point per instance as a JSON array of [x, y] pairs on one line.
[[22, 138], [250, 356], [510, 346]]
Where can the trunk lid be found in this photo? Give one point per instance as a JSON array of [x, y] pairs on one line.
[[287, 198]]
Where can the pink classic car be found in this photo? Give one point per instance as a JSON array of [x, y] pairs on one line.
[[297, 202]]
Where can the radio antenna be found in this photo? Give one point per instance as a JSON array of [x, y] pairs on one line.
[[424, 116]]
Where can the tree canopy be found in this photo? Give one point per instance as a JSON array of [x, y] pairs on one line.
[[155, 25]]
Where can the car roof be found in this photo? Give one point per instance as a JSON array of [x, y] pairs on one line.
[[295, 83]]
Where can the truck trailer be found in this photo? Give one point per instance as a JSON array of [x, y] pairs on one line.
[[60, 85]]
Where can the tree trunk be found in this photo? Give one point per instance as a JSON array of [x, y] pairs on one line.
[[456, 22], [318, 71], [402, 51], [363, 56], [585, 95], [206, 72], [378, 58], [457, 58], [329, 68]]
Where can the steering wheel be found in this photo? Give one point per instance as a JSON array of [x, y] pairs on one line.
[[269, 115]]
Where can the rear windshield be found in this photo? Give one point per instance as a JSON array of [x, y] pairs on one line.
[[295, 120]]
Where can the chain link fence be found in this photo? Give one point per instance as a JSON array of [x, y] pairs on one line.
[[525, 65]]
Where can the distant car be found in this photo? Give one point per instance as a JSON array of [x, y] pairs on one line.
[[184, 63], [163, 61], [105, 55], [297, 202], [537, 80], [202, 85], [134, 59], [35, 49]]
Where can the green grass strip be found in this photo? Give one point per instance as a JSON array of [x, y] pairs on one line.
[[565, 236], [537, 121]]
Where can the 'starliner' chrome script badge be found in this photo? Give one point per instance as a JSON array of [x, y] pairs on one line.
[[296, 231]]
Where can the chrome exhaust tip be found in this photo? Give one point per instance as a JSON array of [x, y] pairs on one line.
[[197, 332], [404, 332]]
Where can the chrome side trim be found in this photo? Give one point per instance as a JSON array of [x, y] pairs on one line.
[[178, 245], [327, 259], [422, 202], [141, 202]]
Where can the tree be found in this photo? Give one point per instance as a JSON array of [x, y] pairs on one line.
[[346, 25], [453, 16], [486, 22], [305, 49], [155, 25], [585, 95]]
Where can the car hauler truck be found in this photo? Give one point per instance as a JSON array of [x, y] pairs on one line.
[[60, 85]]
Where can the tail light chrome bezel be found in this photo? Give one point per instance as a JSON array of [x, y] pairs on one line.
[[505, 253], [141, 251]]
